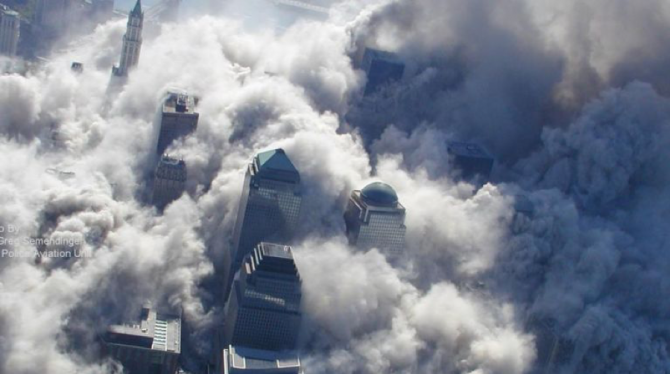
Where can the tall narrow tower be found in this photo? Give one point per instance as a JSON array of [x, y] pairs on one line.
[[132, 41]]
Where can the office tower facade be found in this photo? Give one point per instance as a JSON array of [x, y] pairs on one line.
[[470, 162], [169, 181], [178, 119], [241, 360], [375, 218], [150, 347], [10, 26], [269, 207], [263, 310], [132, 42], [381, 68]]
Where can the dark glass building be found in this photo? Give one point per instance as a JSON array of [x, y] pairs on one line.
[[269, 206], [382, 68], [263, 310]]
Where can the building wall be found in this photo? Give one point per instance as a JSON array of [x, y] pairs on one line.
[[132, 45], [260, 328], [137, 360], [10, 24], [371, 228], [385, 231], [269, 211], [173, 127]]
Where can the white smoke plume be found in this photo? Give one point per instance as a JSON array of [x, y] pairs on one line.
[[567, 246]]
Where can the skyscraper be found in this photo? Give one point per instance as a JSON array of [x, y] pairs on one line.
[[132, 42], [382, 68], [269, 206], [152, 347], [375, 219], [470, 162], [263, 310], [241, 360], [169, 181], [178, 119], [10, 24]]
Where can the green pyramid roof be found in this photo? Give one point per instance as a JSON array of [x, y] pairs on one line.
[[275, 164]]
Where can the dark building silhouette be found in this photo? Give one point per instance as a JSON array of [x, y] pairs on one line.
[[169, 181], [269, 206], [382, 68], [263, 310], [178, 119], [470, 161]]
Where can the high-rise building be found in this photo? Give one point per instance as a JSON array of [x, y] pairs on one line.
[[132, 42], [375, 219], [178, 119], [10, 25], [470, 161], [381, 68], [263, 310], [169, 181], [150, 347], [269, 206], [241, 360]]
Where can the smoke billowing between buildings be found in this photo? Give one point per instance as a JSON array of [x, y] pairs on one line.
[[554, 259]]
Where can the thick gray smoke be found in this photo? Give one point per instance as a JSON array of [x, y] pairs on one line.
[[566, 249]]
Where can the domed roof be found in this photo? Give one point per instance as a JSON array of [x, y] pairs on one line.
[[379, 193]]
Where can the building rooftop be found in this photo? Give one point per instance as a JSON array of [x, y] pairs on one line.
[[172, 162], [155, 331], [376, 54], [276, 250], [275, 164], [379, 193], [273, 258], [179, 102], [242, 359], [467, 150]]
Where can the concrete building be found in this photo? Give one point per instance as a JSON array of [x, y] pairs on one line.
[[243, 360], [382, 68], [10, 26], [375, 219], [470, 162], [269, 206], [169, 181], [132, 42], [263, 310], [150, 347], [178, 119]]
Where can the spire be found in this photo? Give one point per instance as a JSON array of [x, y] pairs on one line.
[[138, 8]]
